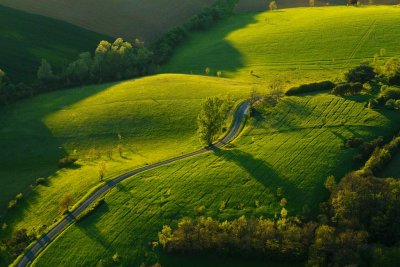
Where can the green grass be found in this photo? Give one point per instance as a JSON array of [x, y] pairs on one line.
[[129, 19], [25, 39], [297, 45], [294, 145], [153, 118]]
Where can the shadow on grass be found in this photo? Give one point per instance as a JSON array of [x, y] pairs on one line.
[[29, 149], [224, 56], [258, 169], [88, 225]]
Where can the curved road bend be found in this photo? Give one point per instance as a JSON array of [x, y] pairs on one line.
[[242, 110]]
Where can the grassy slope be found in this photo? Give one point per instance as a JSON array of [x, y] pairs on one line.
[[295, 145], [155, 116], [294, 45], [130, 19], [25, 39]]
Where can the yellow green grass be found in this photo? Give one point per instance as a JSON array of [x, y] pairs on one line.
[[293, 146], [150, 119], [295, 45]]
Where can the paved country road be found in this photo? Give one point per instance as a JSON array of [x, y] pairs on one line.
[[241, 111]]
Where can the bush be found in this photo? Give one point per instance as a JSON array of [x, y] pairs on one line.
[[389, 92], [312, 87], [362, 74], [40, 181], [66, 162], [381, 156], [347, 89], [12, 204], [19, 197]]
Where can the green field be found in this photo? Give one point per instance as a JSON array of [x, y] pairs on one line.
[[130, 19], [293, 45], [295, 146], [25, 39], [139, 115]]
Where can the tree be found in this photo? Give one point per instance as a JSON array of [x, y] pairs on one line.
[[362, 74], [311, 2], [66, 201], [330, 183], [45, 73], [102, 168], [211, 119], [273, 5]]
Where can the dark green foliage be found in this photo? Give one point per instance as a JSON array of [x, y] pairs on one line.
[[164, 47], [361, 74], [41, 181], [211, 119], [66, 162], [381, 156], [286, 238], [347, 89], [18, 242], [389, 92], [312, 87], [363, 202]]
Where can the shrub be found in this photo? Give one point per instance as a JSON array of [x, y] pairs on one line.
[[12, 204], [66, 162], [362, 74], [40, 181], [342, 89], [373, 103], [312, 87], [381, 156], [19, 197], [347, 89], [389, 92], [96, 204], [391, 104]]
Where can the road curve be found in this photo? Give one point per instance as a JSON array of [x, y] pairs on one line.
[[240, 112]]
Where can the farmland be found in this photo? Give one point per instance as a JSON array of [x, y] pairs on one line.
[[285, 150], [139, 116], [25, 39], [285, 147], [297, 45], [128, 19]]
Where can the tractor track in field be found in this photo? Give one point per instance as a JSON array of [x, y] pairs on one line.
[[46, 239]]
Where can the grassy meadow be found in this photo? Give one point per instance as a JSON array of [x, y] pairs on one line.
[[293, 146], [297, 45], [25, 39], [129, 19], [150, 119]]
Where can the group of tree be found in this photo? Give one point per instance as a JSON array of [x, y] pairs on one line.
[[357, 225]]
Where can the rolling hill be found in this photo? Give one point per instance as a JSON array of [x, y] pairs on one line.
[[129, 19], [25, 39], [291, 147], [284, 147], [297, 45], [149, 119]]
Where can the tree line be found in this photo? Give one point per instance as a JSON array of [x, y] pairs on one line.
[[114, 61]]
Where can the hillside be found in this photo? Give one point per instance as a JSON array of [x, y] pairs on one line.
[[25, 39], [262, 5], [285, 150], [129, 19], [297, 45], [149, 119], [277, 150]]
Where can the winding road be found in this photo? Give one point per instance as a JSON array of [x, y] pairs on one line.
[[33, 252]]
